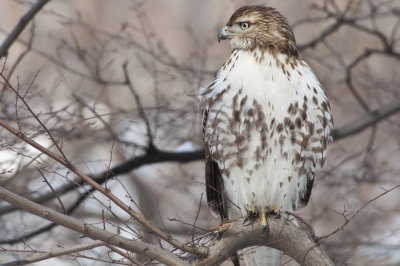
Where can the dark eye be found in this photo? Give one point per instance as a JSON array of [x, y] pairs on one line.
[[244, 25]]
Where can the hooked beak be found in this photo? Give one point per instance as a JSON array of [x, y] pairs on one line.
[[223, 34]]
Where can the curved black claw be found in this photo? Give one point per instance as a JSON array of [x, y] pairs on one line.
[[265, 232], [265, 229], [278, 215], [250, 216], [218, 236]]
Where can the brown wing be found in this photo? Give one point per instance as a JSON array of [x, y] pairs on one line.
[[305, 197], [214, 181]]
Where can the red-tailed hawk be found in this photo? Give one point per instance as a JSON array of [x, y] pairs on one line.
[[266, 120]]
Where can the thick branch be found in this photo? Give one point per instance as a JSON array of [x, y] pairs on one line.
[[24, 21], [165, 236], [366, 121], [283, 235], [148, 250]]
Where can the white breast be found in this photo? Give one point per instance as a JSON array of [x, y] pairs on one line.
[[253, 104]]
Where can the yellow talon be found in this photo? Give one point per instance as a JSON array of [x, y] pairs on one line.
[[273, 210], [263, 219], [252, 211]]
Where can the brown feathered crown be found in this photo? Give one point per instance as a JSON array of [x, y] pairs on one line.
[[252, 27]]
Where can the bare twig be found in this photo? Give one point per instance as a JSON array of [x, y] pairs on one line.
[[366, 121], [142, 114], [309, 227], [20, 57], [107, 126], [125, 255], [56, 253], [105, 192], [21, 26], [321, 37], [52, 190], [348, 220], [91, 231], [22, 98], [123, 168], [48, 227], [195, 220]]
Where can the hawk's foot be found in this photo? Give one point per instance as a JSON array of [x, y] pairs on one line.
[[263, 217], [264, 223], [277, 212], [251, 214], [274, 210]]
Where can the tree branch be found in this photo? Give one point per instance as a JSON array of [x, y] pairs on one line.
[[282, 235], [165, 236], [324, 34], [148, 250], [71, 209], [348, 220], [23, 22], [369, 119], [138, 101], [158, 156], [56, 253]]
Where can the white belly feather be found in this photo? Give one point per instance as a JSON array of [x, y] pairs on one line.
[[267, 128]]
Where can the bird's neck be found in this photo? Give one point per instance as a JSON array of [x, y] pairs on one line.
[[270, 49], [264, 55]]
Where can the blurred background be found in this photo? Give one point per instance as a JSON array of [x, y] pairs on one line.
[[115, 82]]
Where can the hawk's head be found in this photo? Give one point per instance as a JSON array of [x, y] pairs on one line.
[[261, 27]]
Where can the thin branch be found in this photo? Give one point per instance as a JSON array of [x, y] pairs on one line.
[[48, 227], [107, 193], [22, 98], [22, 238], [324, 34], [125, 255], [197, 216], [107, 126], [20, 58], [148, 250], [157, 157], [56, 253], [358, 212], [369, 119], [24, 21], [349, 78], [52, 190], [140, 107]]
